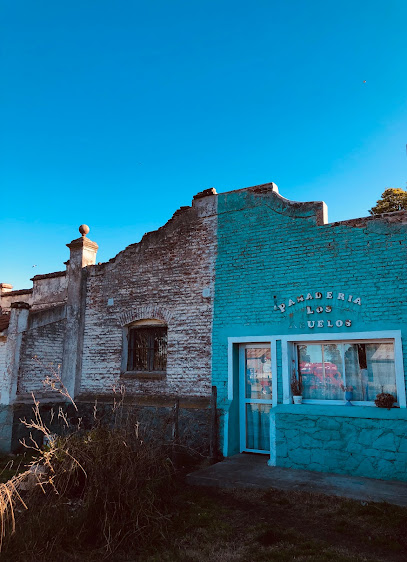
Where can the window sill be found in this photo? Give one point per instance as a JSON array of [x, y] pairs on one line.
[[144, 375], [341, 411]]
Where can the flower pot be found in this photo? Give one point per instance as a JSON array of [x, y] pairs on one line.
[[297, 399], [348, 398]]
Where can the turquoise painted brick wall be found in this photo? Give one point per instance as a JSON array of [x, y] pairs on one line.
[[271, 250]]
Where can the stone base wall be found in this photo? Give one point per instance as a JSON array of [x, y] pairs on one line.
[[6, 424], [372, 445], [191, 426]]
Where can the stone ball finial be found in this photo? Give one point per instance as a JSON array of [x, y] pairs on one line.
[[84, 229]]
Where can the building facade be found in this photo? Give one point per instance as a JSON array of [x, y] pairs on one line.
[[243, 291]]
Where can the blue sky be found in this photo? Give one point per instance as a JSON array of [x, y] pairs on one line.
[[115, 113]]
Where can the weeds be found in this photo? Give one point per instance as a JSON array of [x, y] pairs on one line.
[[106, 486]]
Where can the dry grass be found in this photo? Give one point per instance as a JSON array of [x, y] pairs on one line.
[[107, 487]]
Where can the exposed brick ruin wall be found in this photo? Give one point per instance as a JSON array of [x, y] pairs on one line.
[[41, 353], [161, 277]]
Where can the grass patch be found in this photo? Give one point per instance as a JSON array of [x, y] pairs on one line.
[[241, 525]]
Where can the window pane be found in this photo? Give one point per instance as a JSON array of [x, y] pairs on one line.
[[141, 341], [310, 366], [258, 373], [258, 426], [321, 378], [147, 349], [370, 369], [160, 350], [333, 367]]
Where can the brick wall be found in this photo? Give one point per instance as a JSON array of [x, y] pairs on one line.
[[161, 277], [271, 250], [41, 353]]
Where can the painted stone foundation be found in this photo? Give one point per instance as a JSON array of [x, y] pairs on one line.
[[366, 441]]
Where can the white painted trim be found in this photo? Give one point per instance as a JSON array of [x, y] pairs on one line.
[[230, 369], [243, 401], [274, 380], [394, 335], [399, 367], [285, 373], [345, 336], [253, 339], [250, 339]]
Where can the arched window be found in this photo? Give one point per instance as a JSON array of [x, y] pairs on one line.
[[147, 347]]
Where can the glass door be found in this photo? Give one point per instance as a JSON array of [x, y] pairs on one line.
[[255, 397]]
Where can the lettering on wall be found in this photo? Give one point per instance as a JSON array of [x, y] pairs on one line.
[[311, 303]]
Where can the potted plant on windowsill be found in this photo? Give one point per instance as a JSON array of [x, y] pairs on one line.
[[385, 400], [348, 390], [296, 387]]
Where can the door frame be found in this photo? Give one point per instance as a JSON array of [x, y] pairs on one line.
[[243, 400], [269, 341]]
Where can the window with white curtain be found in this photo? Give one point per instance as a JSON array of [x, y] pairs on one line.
[[326, 367]]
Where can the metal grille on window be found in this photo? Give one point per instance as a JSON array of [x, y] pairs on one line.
[[147, 349]]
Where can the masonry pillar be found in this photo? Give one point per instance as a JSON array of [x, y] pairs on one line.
[[8, 379], [5, 288], [82, 253], [18, 325]]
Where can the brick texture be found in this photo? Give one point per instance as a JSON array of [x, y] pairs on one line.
[[161, 277], [41, 356], [270, 250]]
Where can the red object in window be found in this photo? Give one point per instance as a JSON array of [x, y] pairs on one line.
[[332, 375]]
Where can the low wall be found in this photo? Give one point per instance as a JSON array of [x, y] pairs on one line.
[[6, 424], [190, 424], [362, 441]]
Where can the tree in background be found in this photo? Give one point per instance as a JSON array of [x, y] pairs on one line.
[[392, 199]]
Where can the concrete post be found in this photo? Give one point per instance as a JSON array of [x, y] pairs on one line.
[[18, 325], [82, 253]]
